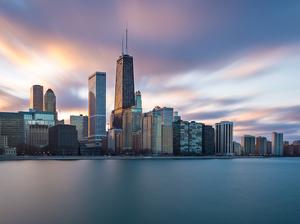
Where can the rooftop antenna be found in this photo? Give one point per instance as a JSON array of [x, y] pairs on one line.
[[126, 41]]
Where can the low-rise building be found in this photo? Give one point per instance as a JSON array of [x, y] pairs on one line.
[[63, 140]]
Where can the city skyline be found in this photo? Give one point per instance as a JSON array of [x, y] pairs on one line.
[[207, 80]]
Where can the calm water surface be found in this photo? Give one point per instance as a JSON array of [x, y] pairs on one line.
[[146, 191]]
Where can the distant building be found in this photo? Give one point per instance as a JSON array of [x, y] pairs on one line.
[[138, 101], [157, 131], [180, 137], [277, 144], [63, 140], [176, 116], [124, 87], [36, 126], [195, 137], [224, 138], [132, 130], [36, 98], [156, 135], [97, 108], [261, 145], [166, 129], [147, 132], [114, 140], [248, 144], [10, 152], [238, 149], [297, 142], [81, 124], [208, 137], [50, 101], [11, 129], [37, 135], [187, 137], [269, 147]]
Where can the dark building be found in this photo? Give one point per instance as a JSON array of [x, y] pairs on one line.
[[36, 97], [208, 139], [124, 87], [63, 140], [269, 147], [12, 128], [187, 138]]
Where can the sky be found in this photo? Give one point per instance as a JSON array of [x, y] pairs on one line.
[[211, 60]]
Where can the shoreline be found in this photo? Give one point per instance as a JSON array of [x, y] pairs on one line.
[[62, 158]]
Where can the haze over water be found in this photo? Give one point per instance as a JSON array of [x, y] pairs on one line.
[[147, 191]]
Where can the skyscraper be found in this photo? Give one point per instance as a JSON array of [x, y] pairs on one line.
[[50, 101], [36, 97], [248, 144], [124, 86], [97, 107], [277, 144], [81, 124], [224, 137], [261, 145]]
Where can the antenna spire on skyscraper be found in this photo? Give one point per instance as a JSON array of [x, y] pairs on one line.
[[126, 41]]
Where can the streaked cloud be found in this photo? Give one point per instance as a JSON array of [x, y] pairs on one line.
[[211, 61]]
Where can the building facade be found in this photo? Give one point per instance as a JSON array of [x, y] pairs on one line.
[[261, 145], [63, 140], [36, 125], [237, 149], [81, 124], [180, 137], [114, 141], [11, 129], [50, 102], [248, 144], [147, 126], [277, 144], [97, 107], [187, 138], [36, 97], [208, 140], [132, 130], [224, 138]]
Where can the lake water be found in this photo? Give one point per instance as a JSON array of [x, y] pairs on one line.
[[150, 191]]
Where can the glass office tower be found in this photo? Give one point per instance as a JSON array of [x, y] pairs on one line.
[[97, 106]]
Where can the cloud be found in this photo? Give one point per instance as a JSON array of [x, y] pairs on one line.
[[208, 60], [10, 102], [208, 115]]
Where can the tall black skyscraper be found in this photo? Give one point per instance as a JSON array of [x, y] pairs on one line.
[[124, 88]]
